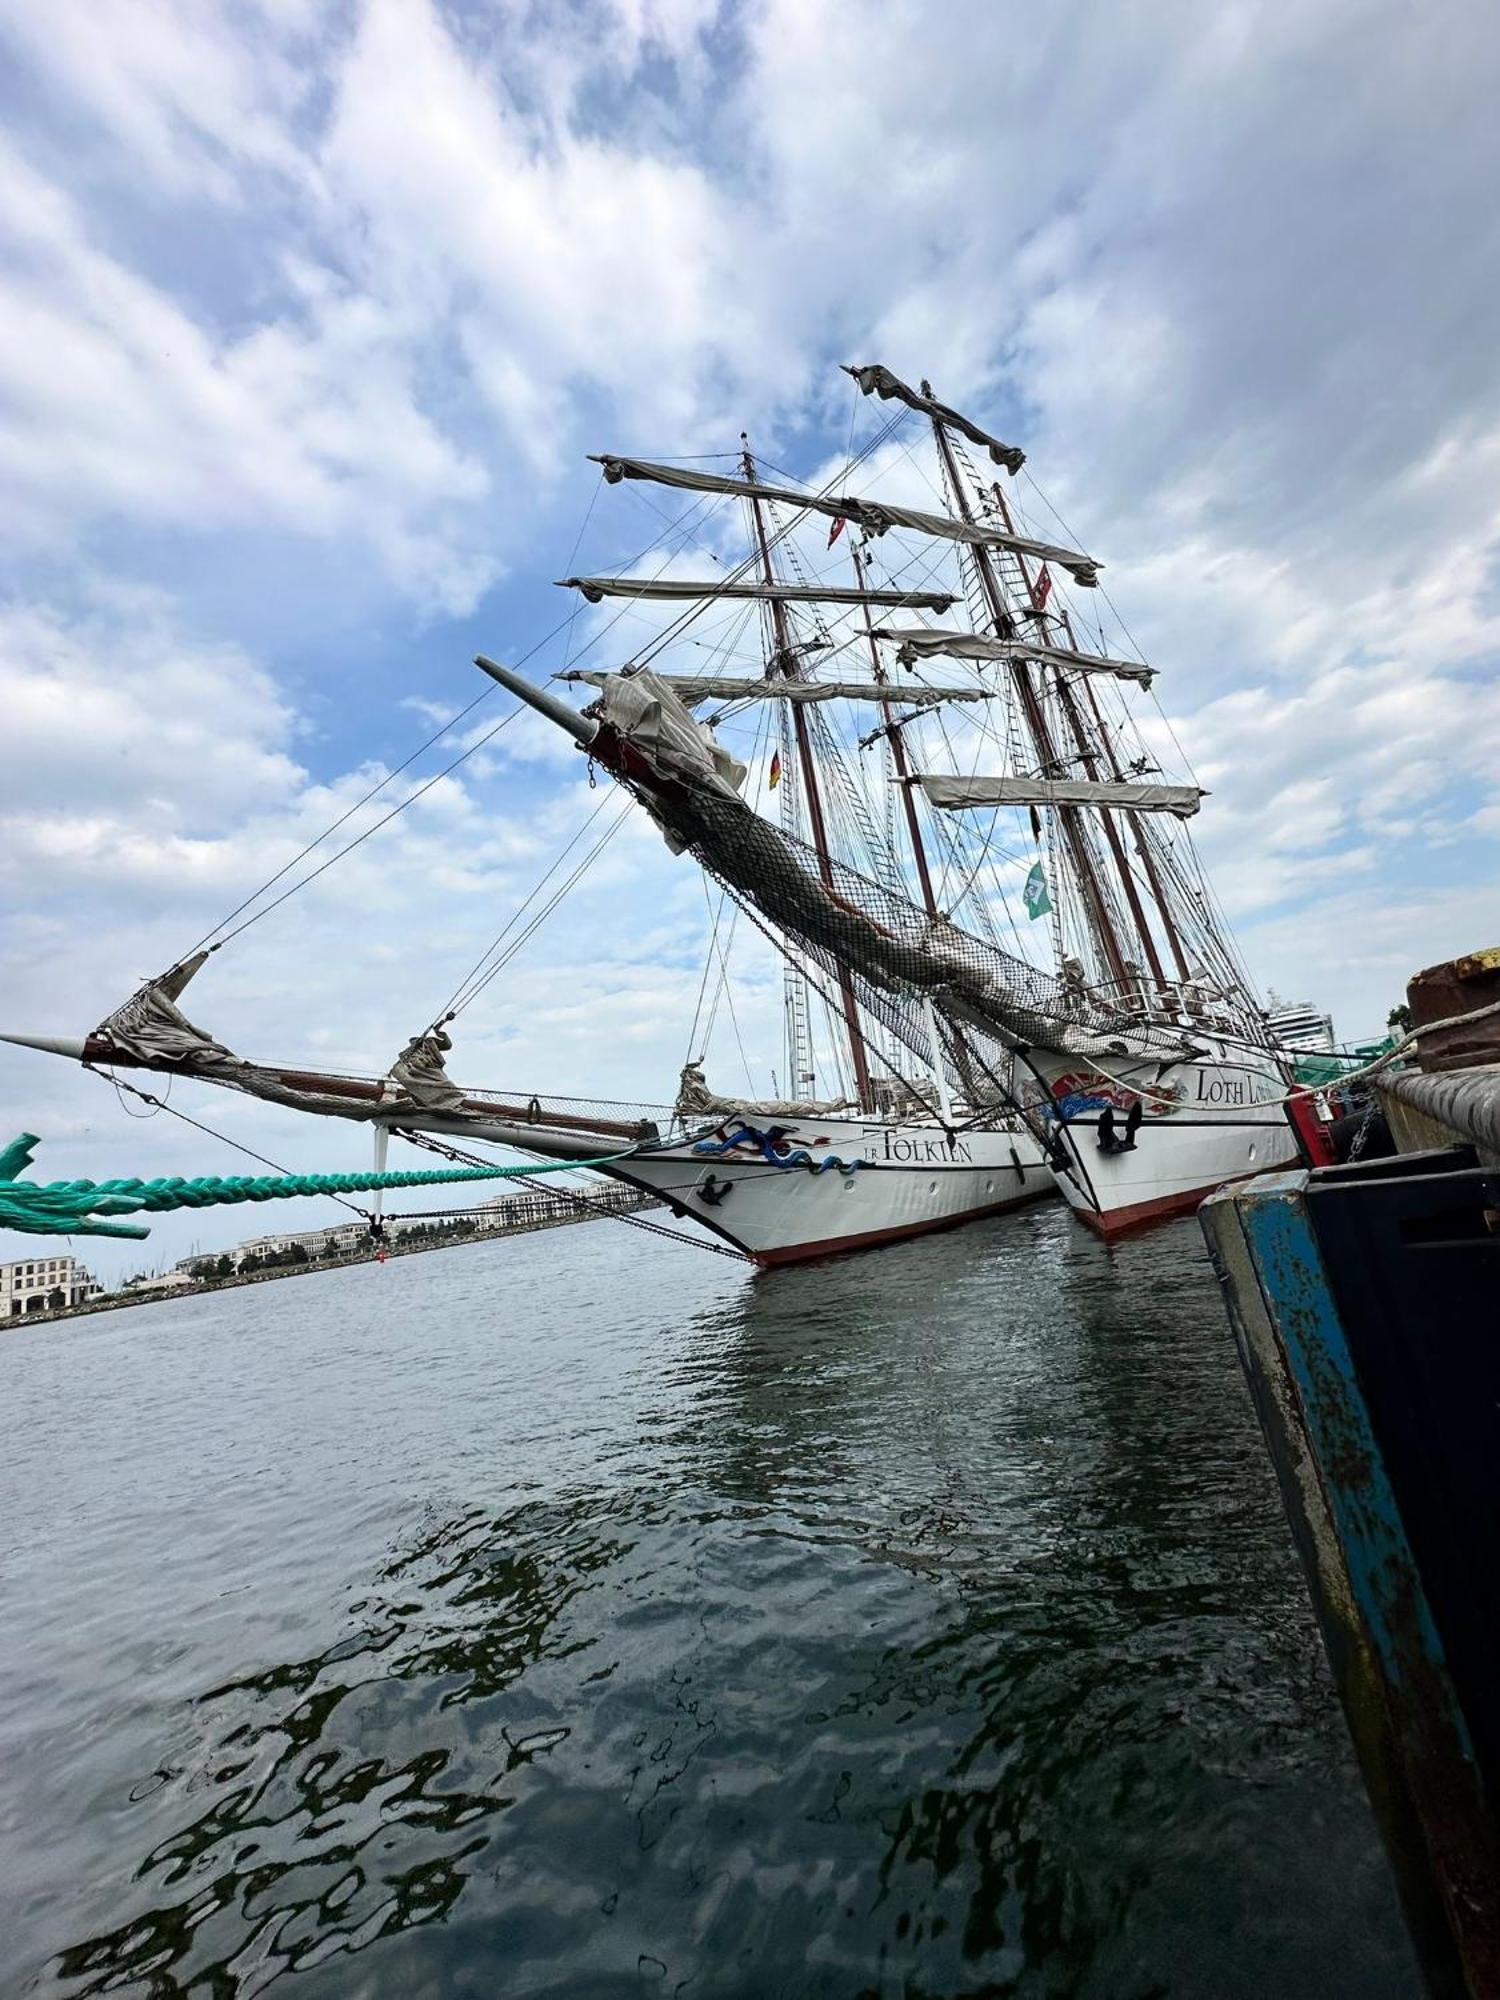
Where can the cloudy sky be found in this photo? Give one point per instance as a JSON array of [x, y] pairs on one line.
[[311, 312]]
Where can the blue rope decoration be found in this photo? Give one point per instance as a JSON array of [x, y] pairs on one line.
[[736, 1135]]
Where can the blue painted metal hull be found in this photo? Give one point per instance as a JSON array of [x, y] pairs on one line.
[[1365, 1303]]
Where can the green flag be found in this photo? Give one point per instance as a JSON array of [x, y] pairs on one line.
[[1038, 902]]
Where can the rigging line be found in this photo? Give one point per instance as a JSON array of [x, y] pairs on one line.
[[942, 724], [271, 881], [685, 618], [928, 564], [583, 529], [359, 839], [780, 945], [427, 1143], [160, 1104], [674, 631], [886, 431], [142, 1117], [518, 944], [714, 917], [681, 524], [1120, 621], [563, 625], [723, 988], [728, 992], [494, 945]]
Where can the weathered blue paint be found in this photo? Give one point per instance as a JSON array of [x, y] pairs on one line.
[[1362, 1304], [1382, 1570]]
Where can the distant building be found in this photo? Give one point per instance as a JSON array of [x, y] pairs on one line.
[[1297, 1024], [504, 1213], [341, 1237], [44, 1284]]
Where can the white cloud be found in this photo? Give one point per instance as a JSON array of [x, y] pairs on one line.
[[122, 405]]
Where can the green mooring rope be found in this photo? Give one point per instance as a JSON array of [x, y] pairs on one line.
[[74, 1208]]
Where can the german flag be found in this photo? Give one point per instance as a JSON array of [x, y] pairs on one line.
[[775, 778]]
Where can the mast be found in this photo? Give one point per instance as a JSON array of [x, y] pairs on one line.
[[1111, 834], [1091, 765], [898, 756], [893, 735], [1140, 836], [785, 659], [1036, 721]]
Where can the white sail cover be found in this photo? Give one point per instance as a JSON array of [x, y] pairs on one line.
[[727, 687], [422, 1074], [955, 793], [643, 707], [153, 1028], [874, 516], [878, 381], [918, 642], [696, 1100], [674, 590]]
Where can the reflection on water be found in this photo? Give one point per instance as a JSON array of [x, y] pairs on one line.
[[918, 1624], [325, 1826]]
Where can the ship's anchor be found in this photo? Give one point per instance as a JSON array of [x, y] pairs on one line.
[[712, 1192]]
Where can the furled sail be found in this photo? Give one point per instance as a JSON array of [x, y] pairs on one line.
[[845, 920], [672, 590], [692, 688], [917, 642], [151, 1032], [874, 516], [696, 1100], [152, 1028], [421, 1072], [878, 381], [954, 793]]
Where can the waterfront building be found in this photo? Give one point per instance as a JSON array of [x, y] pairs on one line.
[[44, 1284], [336, 1240]]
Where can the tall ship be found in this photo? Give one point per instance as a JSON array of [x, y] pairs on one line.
[[892, 732]]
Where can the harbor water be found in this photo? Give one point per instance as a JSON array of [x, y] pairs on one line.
[[581, 1615]]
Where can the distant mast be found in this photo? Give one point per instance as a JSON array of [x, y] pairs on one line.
[[784, 660]]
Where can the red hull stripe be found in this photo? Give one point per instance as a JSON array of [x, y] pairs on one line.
[[1118, 1220], [833, 1246]]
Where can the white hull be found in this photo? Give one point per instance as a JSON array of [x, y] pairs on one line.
[[1221, 1123], [908, 1180]]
